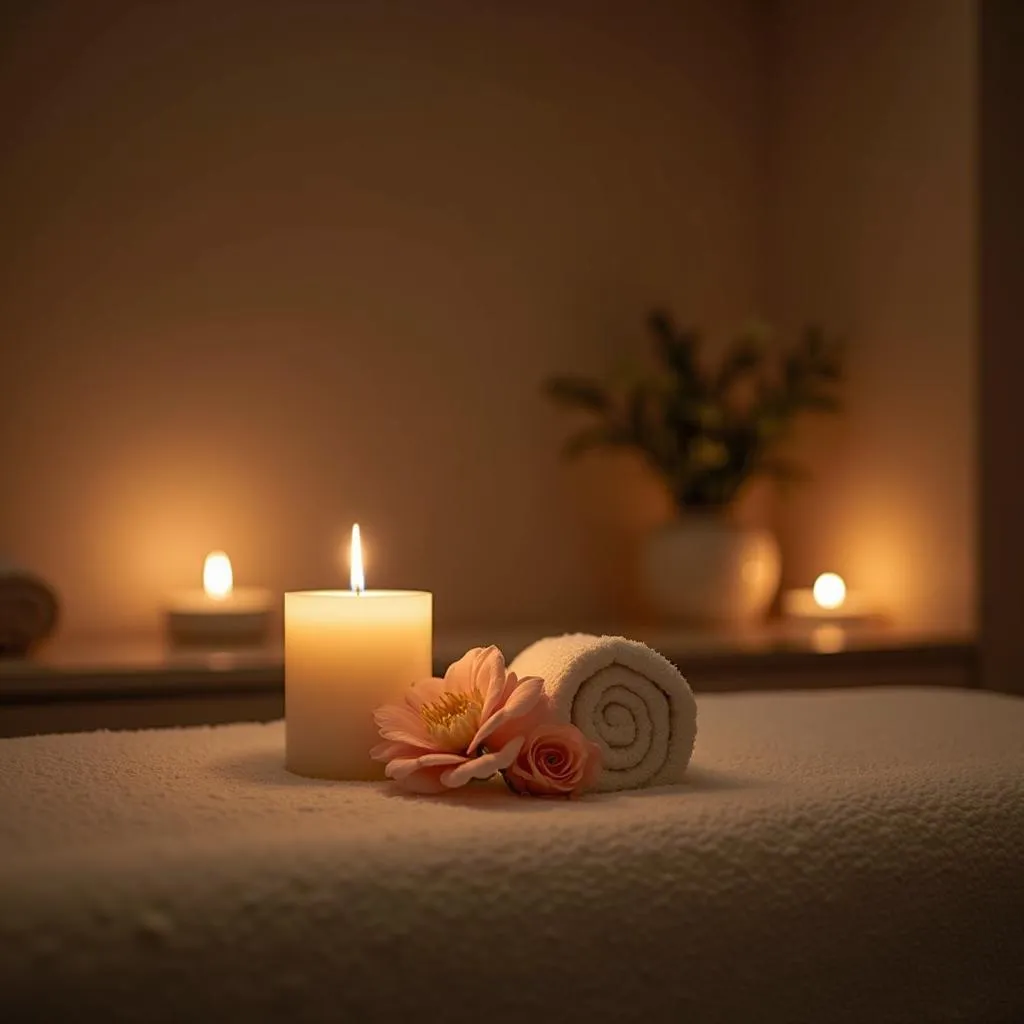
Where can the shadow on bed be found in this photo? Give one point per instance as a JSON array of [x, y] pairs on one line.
[[266, 767]]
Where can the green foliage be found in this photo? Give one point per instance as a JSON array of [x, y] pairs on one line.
[[707, 432]]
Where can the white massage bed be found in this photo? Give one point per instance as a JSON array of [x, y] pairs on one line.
[[839, 856]]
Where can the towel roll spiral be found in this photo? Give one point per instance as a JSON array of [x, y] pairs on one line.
[[625, 697]]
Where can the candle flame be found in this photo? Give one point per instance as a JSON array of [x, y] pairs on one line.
[[356, 561], [829, 590], [218, 580]]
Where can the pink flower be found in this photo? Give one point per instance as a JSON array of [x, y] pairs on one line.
[[556, 760], [466, 726]]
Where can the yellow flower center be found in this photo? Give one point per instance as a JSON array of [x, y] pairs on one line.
[[453, 719]]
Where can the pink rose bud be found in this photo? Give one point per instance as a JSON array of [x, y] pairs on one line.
[[556, 760]]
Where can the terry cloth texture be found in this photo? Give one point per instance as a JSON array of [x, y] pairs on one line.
[[834, 857], [627, 698]]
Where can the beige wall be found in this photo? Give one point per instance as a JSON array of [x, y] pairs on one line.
[[271, 267], [872, 229]]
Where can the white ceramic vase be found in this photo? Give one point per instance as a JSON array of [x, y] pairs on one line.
[[705, 570]]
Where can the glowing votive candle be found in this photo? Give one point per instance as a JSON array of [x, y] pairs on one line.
[[219, 614], [828, 600], [346, 652]]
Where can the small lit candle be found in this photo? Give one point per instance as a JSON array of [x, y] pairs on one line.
[[346, 652], [218, 578], [828, 600], [220, 613]]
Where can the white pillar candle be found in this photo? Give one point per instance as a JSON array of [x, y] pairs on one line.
[[346, 652]]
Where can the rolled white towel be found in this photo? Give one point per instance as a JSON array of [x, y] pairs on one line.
[[623, 696]]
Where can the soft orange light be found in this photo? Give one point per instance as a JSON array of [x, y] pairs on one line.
[[356, 575], [218, 580], [828, 639], [829, 590]]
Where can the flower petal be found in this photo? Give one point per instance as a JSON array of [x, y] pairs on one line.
[[477, 669], [402, 724], [524, 698], [482, 767], [401, 767], [525, 695], [490, 674], [390, 749], [496, 697], [424, 691], [426, 781], [458, 675]]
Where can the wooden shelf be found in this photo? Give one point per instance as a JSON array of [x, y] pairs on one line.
[[135, 684]]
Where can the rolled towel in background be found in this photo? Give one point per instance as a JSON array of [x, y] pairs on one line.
[[28, 611], [623, 696]]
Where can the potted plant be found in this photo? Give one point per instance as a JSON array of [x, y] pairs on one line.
[[706, 432]]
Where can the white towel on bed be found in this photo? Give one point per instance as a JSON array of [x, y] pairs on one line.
[[632, 702]]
